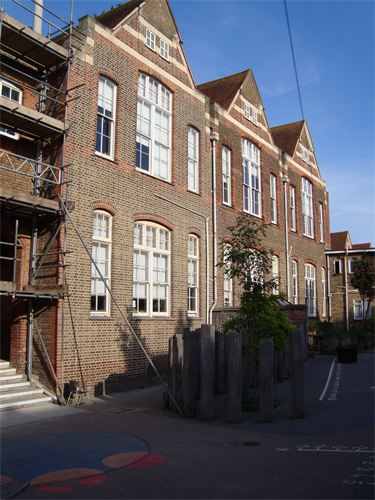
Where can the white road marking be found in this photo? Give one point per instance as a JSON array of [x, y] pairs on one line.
[[328, 380], [337, 451]]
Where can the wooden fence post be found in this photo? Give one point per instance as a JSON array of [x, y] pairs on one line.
[[265, 413], [207, 404], [220, 363], [189, 369], [177, 368], [297, 348], [234, 376]]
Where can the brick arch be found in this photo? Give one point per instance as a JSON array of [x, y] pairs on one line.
[[310, 261], [194, 231], [228, 239], [108, 73], [104, 205], [141, 216], [156, 76]]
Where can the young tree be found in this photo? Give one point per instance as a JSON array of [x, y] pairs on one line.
[[363, 280], [247, 260]]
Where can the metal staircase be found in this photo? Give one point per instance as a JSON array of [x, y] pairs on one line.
[[16, 391]]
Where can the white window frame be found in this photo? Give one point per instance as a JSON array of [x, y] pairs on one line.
[[155, 97], [150, 40], [305, 153], [293, 213], [294, 281], [193, 159], [307, 208], [164, 49], [101, 241], [151, 240], [276, 274], [359, 308], [228, 280], [8, 132], [106, 116], [252, 193], [273, 198], [226, 168], [339, 266], [250, 113], [193, 275], [321, 222], [324, 293], [350, 265], [310, 290]]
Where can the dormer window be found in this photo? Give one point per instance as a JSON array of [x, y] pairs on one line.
[[150, 39], [250, 113], [305, 153], [164, 49], [9, 91]]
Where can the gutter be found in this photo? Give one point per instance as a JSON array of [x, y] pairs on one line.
[[214, 226]]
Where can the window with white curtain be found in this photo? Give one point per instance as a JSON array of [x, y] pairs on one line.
[[151, 270], [101, 254], [193, 159], [105, 125], [251, 178], [154, 122], [193, 274]]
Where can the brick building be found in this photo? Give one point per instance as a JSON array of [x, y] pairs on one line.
[[158, 170], [345, 304]]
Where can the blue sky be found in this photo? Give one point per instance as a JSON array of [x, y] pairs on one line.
[[334, 43]]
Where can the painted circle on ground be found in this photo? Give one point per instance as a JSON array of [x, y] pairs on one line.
[[124, 459], [150, 460], [5, 479], [60, 476]]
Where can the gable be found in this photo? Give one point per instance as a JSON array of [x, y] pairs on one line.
[[158, 14], [249, 90]]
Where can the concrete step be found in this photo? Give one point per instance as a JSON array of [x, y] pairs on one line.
[[5, 386], [7, 378], [24, 401], [7, 371], [19, 392], [4, 364]]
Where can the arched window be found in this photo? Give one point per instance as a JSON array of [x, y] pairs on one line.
[[154, 123], [252, 203], [307, 208], [275, 274], [193, 159], [151, 269], [193, 275], [310, 290], [228, 280], [101, 254], [294, 282], [105, 128], [226, 167]]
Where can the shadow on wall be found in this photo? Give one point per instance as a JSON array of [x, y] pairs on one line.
[[140, 372]]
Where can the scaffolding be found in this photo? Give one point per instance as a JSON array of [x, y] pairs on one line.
[[35, 66]]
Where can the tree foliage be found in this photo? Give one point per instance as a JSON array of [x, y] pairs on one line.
[[247, 260], [363, 280]]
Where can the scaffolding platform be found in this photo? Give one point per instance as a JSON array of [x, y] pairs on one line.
[[15, 198]]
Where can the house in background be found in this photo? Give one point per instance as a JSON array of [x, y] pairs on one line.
[[344, 304], [156, 169]]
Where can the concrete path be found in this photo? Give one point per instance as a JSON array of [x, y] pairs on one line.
[[127, 446]]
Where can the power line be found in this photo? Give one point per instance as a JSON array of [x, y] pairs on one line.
[[294, 58]]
